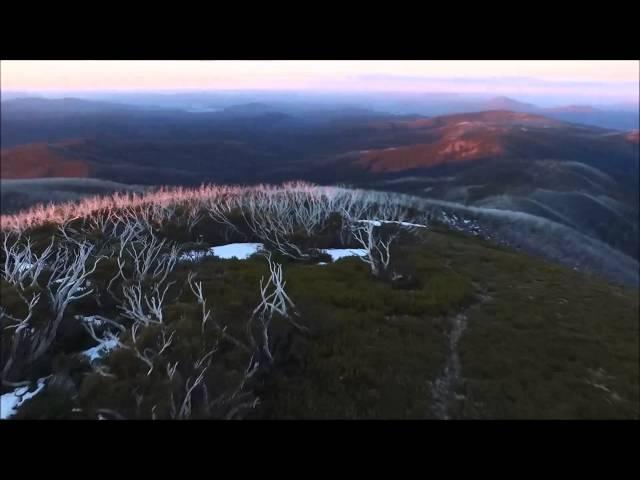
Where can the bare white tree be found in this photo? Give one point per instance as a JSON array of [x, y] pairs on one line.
[[145, 258], [194, 216], [196, 288], [143, 308], [21, 323], [69, 234], [377, 250], [90, 324], [219, 211], [243, 399], [272, 224], [148, 355], [274, 300], [230, 404], [22, 266], [66, 284], [98, 222], [184, 411]]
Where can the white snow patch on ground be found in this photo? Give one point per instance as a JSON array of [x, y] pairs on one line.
[[24, 266], [407, 224], [100, 350], [9, 402], [378, 223], [241, 251], [91, 320], [338, 253], [375, 223]]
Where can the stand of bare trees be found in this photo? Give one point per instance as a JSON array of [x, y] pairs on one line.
[[129, 228], [68, 282]]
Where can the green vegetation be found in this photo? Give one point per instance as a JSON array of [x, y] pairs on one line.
[[540, 342], [454, 327]]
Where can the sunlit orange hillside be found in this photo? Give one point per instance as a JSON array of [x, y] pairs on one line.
[[39, 160]]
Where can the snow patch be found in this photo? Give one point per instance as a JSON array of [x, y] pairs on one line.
[[375, 223], [378, 223], [25, 266], [466, 225], [407, 224], [91, 320], [9, 402], [241, 251], [100, 350], [338, 253]]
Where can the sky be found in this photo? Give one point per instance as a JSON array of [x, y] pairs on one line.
[[615, 81]]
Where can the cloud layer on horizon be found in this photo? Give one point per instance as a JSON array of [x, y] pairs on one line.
[[606, 81]]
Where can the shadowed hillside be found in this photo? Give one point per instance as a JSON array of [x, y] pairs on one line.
[[18, 195], [584, 178]]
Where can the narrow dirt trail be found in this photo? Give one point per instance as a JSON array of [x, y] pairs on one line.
[[446, 384], [444, 387]]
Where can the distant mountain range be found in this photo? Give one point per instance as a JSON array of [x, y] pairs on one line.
[[621, 116], [463, 138], [54, 137], [39, 106], [12, 95], [585, 177]]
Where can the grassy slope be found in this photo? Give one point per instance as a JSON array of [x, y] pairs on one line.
[[537, 340]]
